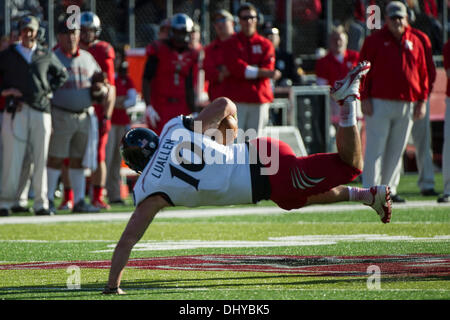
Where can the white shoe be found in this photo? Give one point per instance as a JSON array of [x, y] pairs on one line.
[[349, 86], [381, 202]]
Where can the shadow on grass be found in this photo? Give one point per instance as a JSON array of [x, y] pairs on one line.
[[174, 286]]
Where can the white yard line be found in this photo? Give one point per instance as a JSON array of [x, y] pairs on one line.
[[186, 289], [216, 212]]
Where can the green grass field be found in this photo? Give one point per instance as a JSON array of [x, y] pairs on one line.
[[299, 255]]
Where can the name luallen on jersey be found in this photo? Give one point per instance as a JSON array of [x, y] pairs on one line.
[[191, 169]]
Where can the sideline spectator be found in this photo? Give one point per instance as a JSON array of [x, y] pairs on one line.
[[421, 130], [214, 63], [445, 197], [250, 59], [120, 124], [168, 79], [395, 94], [284, 61], [200, 87], [4, 44], [21, 8], [21, 203], [196, 38], [104, 54], [71, 121], [164, 28], [430, 8], [29, 73], [336, 64]]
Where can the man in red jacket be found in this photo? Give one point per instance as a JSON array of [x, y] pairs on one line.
[[421, 130], [215, 70], [250, 59], [395, 93]]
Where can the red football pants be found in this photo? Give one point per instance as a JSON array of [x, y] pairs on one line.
[[297, 178]]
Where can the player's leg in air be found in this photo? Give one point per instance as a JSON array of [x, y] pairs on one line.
[[321, 178], [346, 93]]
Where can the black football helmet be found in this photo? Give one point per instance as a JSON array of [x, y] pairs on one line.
[[137, 148], [181, 27]]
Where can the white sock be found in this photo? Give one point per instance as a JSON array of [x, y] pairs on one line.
[[78, 182], [52, 181], [363, 195], [348, 112]]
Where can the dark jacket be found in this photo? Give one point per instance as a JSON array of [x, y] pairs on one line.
[[36, 80]]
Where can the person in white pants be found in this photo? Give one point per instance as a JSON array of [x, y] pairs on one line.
[[394, 94], [33, 127], [421, 135], [387, 132]]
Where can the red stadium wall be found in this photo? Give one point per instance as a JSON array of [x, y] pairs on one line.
[[136, 62]]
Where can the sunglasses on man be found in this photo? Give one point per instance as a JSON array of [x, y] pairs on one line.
[[246, 18], [220, 20]]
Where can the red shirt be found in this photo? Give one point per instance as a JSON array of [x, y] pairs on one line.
[[241, 51], [332, 69], [169, 81], [214, 58], [399, 68], [104, 54], [431, 67], [446, 56], [120, 116]]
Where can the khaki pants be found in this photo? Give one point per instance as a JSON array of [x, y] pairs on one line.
[[421, 137], [387, 133], [113, 162], [252, 116], [29, 130]]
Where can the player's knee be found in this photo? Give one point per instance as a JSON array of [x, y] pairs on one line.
[[359, 164]]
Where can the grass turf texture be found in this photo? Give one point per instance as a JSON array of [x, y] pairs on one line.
[[82, 241]]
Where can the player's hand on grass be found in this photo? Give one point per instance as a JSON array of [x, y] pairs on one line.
[[109, 290]]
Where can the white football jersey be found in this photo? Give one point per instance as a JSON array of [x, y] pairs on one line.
[[190, 169]]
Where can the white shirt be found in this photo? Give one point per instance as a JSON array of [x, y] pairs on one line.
[[26, 53], [213, 174]]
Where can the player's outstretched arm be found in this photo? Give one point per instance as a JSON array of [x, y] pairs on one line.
[[135, 229], [213, 114]]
